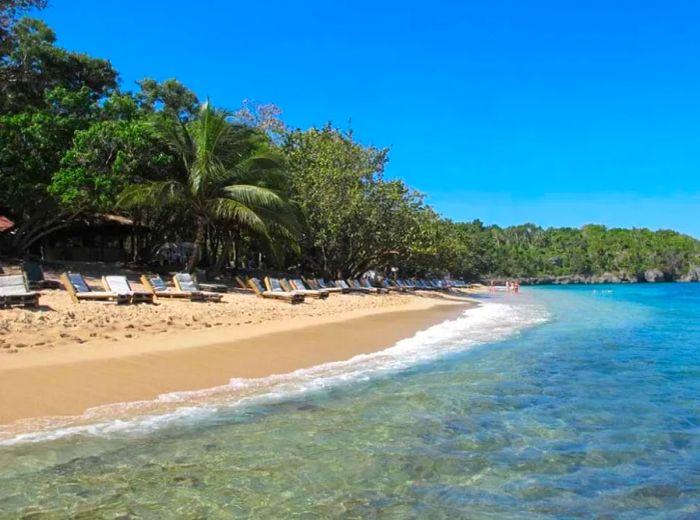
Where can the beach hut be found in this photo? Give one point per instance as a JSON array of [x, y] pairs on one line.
[[101, 238]]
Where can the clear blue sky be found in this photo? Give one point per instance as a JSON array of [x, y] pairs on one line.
[[553, 112]]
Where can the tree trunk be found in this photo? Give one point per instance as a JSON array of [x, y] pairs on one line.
[[198, 245]]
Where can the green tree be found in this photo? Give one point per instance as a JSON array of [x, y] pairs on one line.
[[46, 95], [354, 218], [215, 156]]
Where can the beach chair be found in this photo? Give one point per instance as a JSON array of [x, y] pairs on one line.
[[36, 278], [439, 285], [259, 289], [364, 282], [120, 284], [277, 286], [322, 284], [14, 290], [357, 286], [186, 282], [386, 284], [296, 284], [240, 284], [157, 286], [350, 288], [206, 285], [311, 283], [79, 290], [422, 285], [405, 286]]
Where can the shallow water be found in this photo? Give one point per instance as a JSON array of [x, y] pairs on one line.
[[555, 403]]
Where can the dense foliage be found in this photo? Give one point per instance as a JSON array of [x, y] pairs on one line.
[[244, 189], [531, 251]]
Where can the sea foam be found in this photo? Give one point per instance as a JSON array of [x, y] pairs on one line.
[[490, 322]]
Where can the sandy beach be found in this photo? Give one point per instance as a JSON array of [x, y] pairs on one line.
[[68, 358]]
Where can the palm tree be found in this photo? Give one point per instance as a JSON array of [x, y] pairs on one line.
[[223, 182]]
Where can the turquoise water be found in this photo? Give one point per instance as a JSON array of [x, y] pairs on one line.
[[555, 403]]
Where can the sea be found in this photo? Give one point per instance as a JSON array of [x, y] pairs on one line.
[[554, 403]]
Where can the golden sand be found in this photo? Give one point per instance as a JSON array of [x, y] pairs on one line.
[[70, 357]]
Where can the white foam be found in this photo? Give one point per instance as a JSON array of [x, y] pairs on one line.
[[487, 323]]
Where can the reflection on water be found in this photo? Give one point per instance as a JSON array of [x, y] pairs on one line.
[[594, 414]]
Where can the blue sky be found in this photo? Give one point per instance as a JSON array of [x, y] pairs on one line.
[[558, 113]]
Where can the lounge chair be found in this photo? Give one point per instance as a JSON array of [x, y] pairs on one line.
[[405, 286], [322, 284], [206, 285], [440, 285], [14, 290], [278, 286], [260, 290], [422, 285], [311, 283], [157, 286], [36, 277], [389, 287], [297, 284], [79, 290], [364, 282], [120, 284], [350, 288], [185, 282], [356, 285]]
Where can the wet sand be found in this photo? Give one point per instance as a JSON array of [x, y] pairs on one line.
[[71, 379]]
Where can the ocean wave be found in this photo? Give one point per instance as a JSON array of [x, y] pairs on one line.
[[488, 323]]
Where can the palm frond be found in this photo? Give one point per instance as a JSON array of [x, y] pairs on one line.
[[160, 193], [243, 216], [254, 196]]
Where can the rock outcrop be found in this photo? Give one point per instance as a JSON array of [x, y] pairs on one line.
[[693, 275], [654, 275]]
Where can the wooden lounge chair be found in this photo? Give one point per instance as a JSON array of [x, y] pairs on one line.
[[391, 288], [405, 285], [347, 288], [320, 283], [311, 283], [259, 289], [297, 284], [364, 282], [14, 290], [440, 285], [240, 284], [120, 284], [36, 278], [185, 282], [357, 286], [277, 286], [206, 285], [79, 290], [157, 286], [422, 285], [353, 288]]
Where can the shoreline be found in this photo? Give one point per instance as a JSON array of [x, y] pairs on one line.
[[71, 380]]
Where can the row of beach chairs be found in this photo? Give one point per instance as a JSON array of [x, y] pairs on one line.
[[18, 289], [117, 288], [296, 289]]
